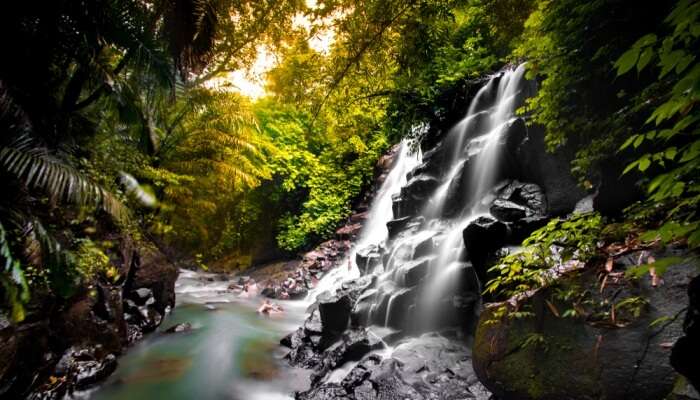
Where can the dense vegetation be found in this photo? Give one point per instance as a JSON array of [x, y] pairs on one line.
[[114, 117]]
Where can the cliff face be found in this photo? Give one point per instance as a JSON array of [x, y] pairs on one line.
[[64, 345]]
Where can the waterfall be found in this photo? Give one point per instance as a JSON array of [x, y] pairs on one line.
[[374, 231], [422, 268]]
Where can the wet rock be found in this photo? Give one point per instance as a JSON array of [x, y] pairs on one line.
[[457, 195], [269, 292], [179, 328], [156, 273], [398, 307], [367, 258], [429, 367], [481, 238], [348, 232], [353, 345], [326, 392], [419, 187], [507, 211], [143, 295], [150, 318], [83, 367], [425, 246], [335, 312], [313, 325], [629, 360], [403, 206], [686, 350], [396, 225], [414, 271]]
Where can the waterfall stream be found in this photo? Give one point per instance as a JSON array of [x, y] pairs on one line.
[[422, 264]]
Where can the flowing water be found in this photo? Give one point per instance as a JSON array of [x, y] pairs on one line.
[[470, 161], [232, 352]]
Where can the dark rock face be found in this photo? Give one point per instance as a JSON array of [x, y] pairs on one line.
[[550, 171], [582, 358], [686, 351]]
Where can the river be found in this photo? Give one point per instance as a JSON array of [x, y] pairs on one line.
[[232, 352]]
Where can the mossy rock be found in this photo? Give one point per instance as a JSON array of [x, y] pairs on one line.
[[585, 358]]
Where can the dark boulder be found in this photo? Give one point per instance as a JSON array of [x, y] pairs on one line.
[[403, 206], [334, 311], [396, 225], [482, 238], [419, 188], [522, 228], [507, 211], [585, 358]]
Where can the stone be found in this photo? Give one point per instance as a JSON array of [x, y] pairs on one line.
[[550, 171], [367, 258], [419, 187], [482, 237], [334, 312], [507, 211], [348, 232], [396, 225], [179, 328], [686, 351], [397, 307], [415, 270], [585, 357]]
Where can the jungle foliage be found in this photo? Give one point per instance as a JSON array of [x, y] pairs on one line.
[[116, 117]]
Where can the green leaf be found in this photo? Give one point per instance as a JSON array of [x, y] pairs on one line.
[[644, 163], [670, 153], [627, 61], [684, 62], [628, 142], [644, 59], [646, 40], [638, 141]]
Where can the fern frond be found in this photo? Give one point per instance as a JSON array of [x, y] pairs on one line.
[[36, 168]]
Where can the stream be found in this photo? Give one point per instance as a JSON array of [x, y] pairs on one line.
[[232, 352]]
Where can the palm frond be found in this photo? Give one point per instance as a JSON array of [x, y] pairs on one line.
[[36, 168]]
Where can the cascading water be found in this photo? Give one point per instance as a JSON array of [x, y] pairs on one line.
[[375, 230], [423, 263]]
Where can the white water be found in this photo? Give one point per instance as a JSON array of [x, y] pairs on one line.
[[474, 144], [374, 231]]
